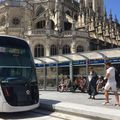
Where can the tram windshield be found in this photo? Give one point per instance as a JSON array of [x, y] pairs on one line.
[[16, 64], [14, 57], [21, 75]]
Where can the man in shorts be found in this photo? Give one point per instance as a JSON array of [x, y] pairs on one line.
[[111, 83]]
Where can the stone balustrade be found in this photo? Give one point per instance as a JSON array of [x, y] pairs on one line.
[[54, 33]]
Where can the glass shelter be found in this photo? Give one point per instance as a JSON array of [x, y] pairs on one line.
[[51, 69]]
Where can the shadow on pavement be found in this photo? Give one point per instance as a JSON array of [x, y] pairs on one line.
[[48, 104], [99, 98]]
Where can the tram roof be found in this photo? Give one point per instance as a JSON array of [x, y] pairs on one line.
[[100, 54]]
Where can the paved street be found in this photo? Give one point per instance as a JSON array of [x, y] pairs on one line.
[[77, 97], [68, 106]]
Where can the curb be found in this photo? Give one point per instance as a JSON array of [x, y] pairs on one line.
[[94, 112]]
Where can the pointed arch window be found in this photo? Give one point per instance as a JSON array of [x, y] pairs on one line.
[[67, 26], [79, 48], [76, 17], [68, 12], [40, 24], [39, 51], [53, 50], [66, 49], [52, 24]]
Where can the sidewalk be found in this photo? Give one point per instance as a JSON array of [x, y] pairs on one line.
[[79, 104]]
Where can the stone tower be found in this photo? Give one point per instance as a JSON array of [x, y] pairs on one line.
[[96, 5]]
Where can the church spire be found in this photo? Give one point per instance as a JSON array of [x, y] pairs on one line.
[[105, 16], [116, 19], [110, 16], [82, 5], [58, 15]]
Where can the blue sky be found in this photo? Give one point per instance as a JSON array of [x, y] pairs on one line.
[[114, 5]]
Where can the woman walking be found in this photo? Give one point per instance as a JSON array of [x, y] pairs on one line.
[[92, 77]]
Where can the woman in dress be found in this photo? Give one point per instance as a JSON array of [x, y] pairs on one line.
[[92, 77]]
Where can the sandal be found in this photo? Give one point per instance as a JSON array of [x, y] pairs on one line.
[[105, 103], [117, 104]]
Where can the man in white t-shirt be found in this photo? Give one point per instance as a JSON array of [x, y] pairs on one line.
[[111, 83]]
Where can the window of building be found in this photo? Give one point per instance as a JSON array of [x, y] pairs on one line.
[[68, 12], [39, 51], [52, 24], [41, 24], [76, 17], [66, 49], [93, 46], [79, 48], [16, 21], [53, 50], [67, 26]]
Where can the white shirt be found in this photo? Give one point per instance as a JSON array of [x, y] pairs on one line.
[[111, 71], [90, 76]]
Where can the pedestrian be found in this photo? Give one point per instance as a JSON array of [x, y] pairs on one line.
[[92, 77], [82, 83], [111, 83], [67, 83], [61, 86], [75, 85], [100, 83]]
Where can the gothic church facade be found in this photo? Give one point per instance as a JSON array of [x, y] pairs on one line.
[[53, 27]]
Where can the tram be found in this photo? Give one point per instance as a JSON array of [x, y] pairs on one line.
[[18, 81]]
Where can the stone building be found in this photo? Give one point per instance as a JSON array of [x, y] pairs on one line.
[[53, 27]]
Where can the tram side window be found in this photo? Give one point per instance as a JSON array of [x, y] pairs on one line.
[[4, 72], [0, 72], [15, 72]]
